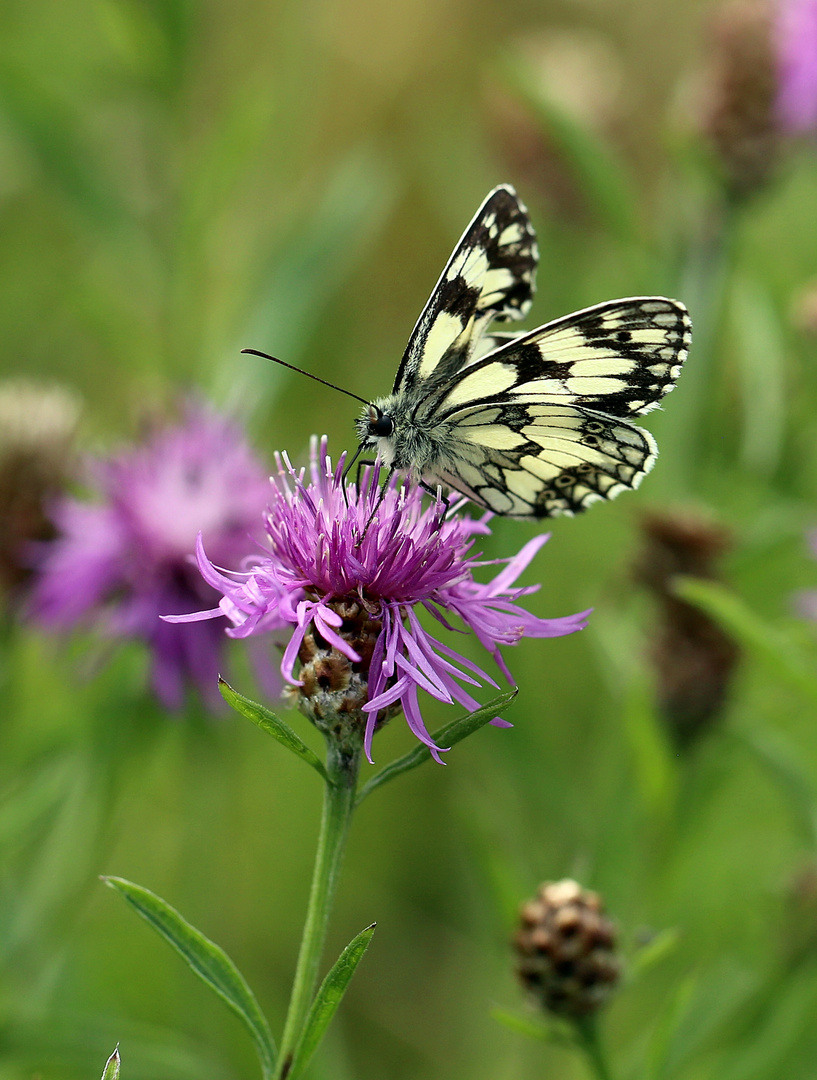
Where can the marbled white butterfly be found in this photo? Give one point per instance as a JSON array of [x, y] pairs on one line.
[[528, 424]]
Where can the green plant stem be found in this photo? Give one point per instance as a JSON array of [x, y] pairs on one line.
[[338, 804], [587, 1033]]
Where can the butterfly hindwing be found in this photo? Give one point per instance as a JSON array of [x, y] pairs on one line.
[[490, 276], [532, 460]]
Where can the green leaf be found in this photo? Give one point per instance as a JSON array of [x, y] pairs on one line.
[[270, 723], [669, 1021], [212, 965], [111, 1070], [449, 735], [779, 650], [762, 355], [327, 1000], [663, 944]]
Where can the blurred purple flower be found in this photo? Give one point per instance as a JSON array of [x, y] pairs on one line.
[[324, 560], [796, 39], [127, 559]]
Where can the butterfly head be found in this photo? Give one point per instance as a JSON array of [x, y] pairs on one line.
[[375, 429], [378, 424]]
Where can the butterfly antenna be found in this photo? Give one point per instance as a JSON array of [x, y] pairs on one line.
[[309, 375]]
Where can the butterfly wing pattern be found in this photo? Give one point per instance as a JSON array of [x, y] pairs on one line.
[[489, 277], [531, 424]]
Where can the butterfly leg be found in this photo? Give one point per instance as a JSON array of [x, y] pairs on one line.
[[437, 492], [380, 495]]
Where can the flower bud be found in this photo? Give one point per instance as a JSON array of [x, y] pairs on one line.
[[739, 109], [566, 949]]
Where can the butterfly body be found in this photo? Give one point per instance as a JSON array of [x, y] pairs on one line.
[[531, 424]]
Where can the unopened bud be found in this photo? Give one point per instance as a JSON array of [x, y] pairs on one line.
[[739, 109], [693, 658]]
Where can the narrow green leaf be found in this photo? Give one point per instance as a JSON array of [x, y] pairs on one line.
[[532, 1029], [669, 1021], [762, 356], [663, 944], [449, 735], [212, 965], [111, 1071], [327, 1000], [270, 723], [782, 653]]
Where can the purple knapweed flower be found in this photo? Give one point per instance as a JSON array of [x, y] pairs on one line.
[[126, 559], [349, 570], [796, 44]]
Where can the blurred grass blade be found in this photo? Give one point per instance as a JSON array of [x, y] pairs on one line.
[[781, 653], [532, 1029], [779, 759], [210, 963], [111, 1070], [327, 1000], [662, 945], [53, 134], [270, 723], [661, 1046], [761, 350], [656, 769], [304, 273], [598, 172], [449, 735]]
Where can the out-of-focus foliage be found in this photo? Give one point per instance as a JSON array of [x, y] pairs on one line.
[[182, 179]]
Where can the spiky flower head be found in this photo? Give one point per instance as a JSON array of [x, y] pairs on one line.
[[125, 559], [566, 949], [347, 572]]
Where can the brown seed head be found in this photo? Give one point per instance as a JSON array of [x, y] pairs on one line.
[[566, 949]]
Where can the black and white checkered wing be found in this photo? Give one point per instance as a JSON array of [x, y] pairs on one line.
[[490, 276], [540, 426]]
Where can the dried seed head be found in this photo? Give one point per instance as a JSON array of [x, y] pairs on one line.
[[694, 660], [739, 107], [566, 949], [37, 426]]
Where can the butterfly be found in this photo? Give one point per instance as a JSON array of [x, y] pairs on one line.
[[533, 423]]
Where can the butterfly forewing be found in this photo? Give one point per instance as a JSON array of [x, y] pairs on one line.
[[620, 357], [490, 276]]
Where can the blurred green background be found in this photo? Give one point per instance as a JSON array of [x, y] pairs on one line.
[[184, 179]]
